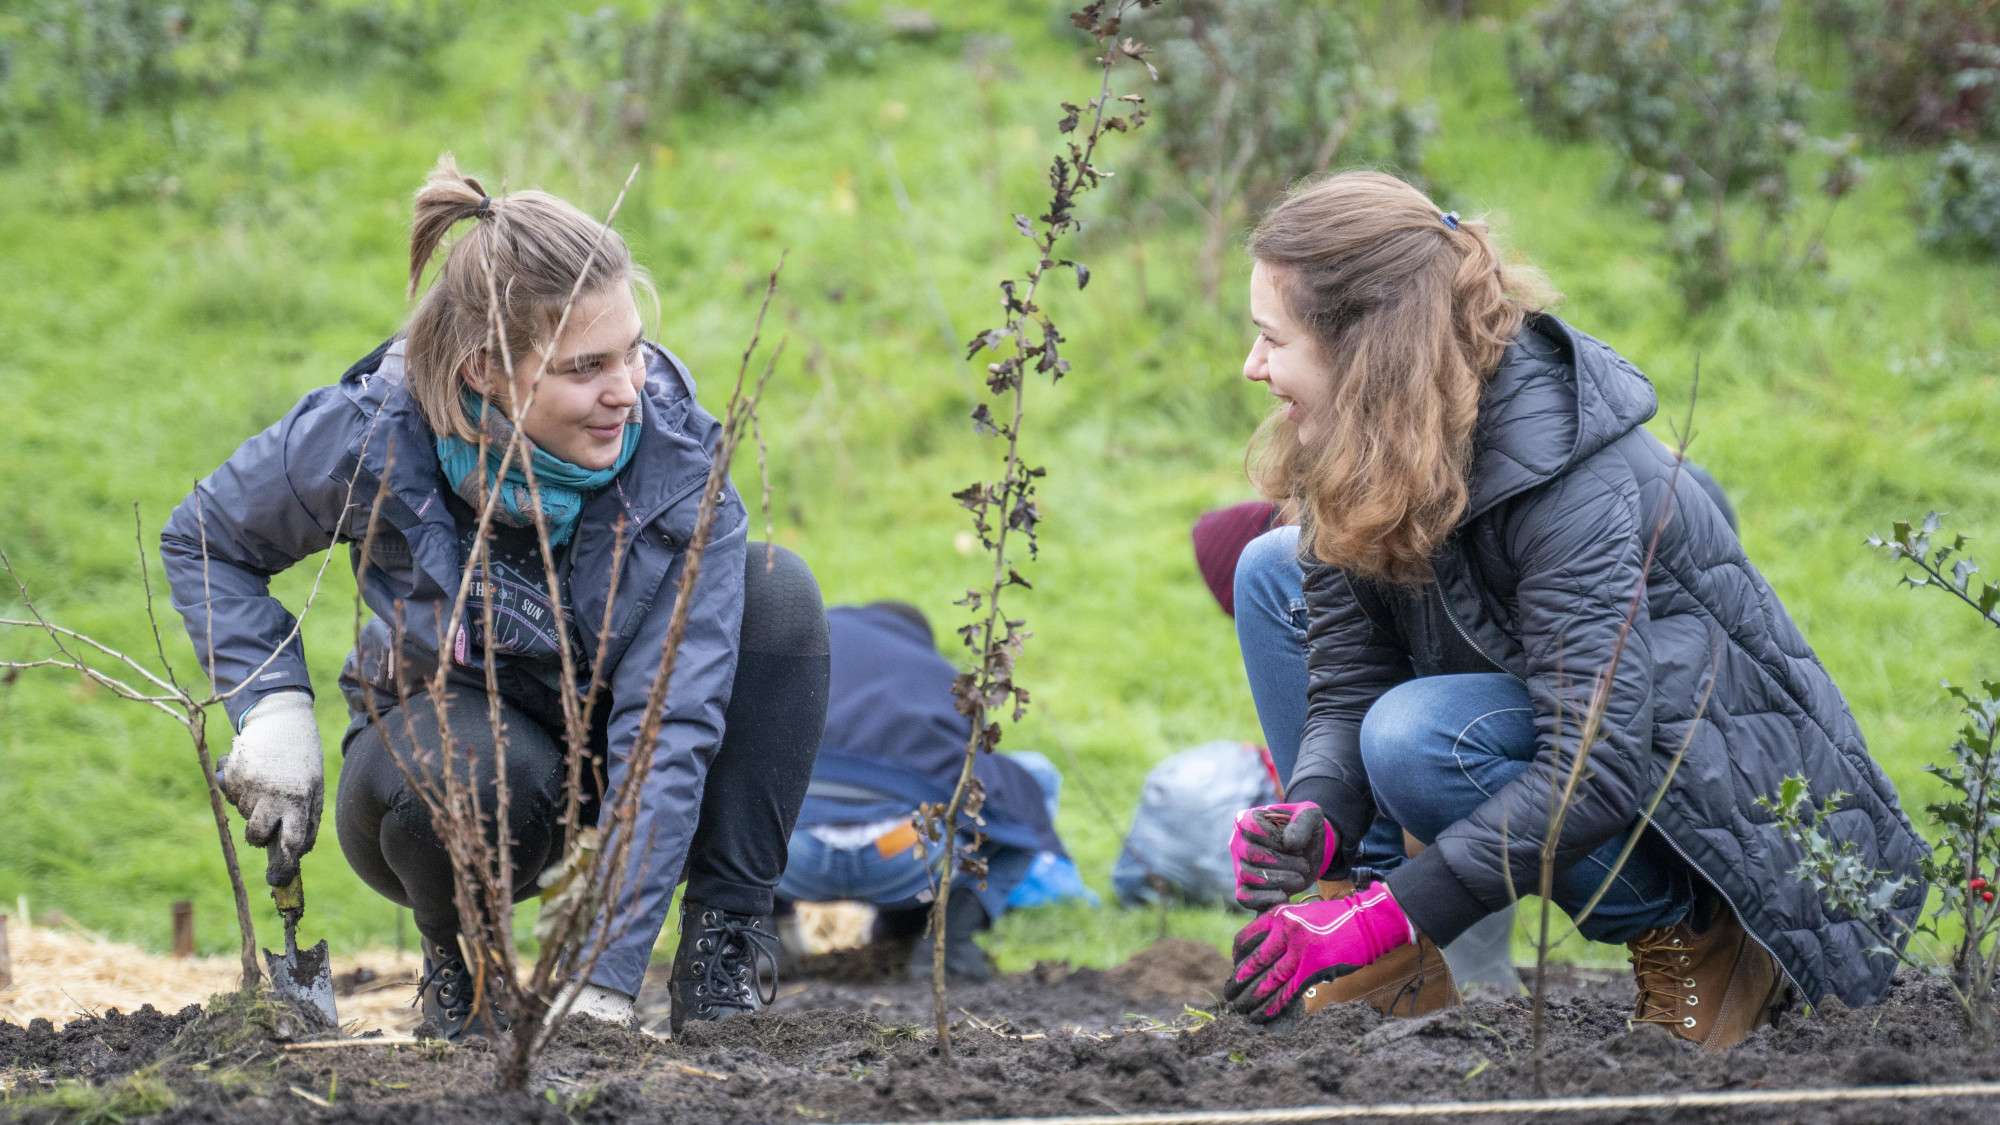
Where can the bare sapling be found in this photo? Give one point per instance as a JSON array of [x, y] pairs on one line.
[[87, 657], [1959, 937], [576, 922], [1026, 339], [1571, 762]]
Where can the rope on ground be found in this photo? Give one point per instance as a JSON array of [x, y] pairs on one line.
[[1720, 1099]]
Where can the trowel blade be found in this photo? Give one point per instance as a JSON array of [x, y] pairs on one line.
[[306, 979]]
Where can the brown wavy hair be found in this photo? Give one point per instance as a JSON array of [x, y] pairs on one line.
[[1409, 317]]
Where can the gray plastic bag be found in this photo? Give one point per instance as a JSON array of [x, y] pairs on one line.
[[1179, 842]]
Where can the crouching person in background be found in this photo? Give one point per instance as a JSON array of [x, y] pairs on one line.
[[895, 740], [396, 460]]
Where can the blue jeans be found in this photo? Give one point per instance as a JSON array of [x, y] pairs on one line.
[[1435, 749], [819, 872], [815, 871], [1271, 631]]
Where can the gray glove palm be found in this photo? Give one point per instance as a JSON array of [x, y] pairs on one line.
[[275, 777]]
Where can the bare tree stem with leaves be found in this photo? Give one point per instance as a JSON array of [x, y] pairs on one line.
[[1004, 507]]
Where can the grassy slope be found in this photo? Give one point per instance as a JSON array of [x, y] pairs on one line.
[[152, 335]]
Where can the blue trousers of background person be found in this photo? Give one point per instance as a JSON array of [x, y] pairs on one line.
[[855, 869]]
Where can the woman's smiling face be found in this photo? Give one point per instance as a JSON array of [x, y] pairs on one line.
[[595, 373], [1284, 357]]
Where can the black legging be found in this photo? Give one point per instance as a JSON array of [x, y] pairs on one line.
[[755, 786]]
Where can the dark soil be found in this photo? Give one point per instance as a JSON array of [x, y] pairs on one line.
[[1047, 1042]]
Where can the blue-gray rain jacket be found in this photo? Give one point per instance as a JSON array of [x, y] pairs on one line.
[[310, 480]]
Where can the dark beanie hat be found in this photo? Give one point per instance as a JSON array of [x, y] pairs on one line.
[[1219, 539]]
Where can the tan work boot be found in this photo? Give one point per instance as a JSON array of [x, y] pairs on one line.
[[1411, 980], [1711, 988]]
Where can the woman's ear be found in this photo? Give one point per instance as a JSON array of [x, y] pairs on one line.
[[473, 373]]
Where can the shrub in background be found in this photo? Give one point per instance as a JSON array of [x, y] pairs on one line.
[[108, 56], [1690, 95], [1962, 866], [1922, 70], [1256, 94], [1961, 201], [619, 75]]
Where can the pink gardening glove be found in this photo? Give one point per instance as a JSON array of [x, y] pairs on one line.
[[1290, 948], [1279, 851]]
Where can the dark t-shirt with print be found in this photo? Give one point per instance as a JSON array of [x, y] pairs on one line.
[[513, 582]]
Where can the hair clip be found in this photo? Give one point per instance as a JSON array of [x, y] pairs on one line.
[[485, 208], [1450, 219]]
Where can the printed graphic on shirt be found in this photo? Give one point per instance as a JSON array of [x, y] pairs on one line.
[[513, 583]]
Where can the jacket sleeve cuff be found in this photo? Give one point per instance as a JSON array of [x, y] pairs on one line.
[[238, 706], [1348, 811], [1436, 903]]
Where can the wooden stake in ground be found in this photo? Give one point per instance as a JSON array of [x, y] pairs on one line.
[[6, 965], [183, 929]]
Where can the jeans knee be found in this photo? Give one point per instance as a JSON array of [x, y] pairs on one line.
[[1396, 734], [1268, 575], [782, 611]]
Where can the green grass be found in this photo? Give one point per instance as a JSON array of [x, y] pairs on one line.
[[74, 1102], [152, 328]]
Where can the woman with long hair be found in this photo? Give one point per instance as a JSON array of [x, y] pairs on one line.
[[1503, 570], [531, 323]]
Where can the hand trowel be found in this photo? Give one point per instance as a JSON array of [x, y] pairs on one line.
[[304, 978]]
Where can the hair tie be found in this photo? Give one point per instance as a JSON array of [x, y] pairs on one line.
[[485, 208], [1450, 219]]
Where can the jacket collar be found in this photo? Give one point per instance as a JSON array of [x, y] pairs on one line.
[[1558, 396]]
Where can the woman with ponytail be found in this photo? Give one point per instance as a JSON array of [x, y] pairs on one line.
[[1501, 568], [396, 460]]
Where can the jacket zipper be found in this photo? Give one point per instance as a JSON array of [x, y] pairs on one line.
[[1444, 603]]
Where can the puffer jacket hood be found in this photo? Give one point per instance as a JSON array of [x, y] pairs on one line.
[[1574, 509], [1539, 415]]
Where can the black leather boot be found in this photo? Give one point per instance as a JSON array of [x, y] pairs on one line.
[[446, 993], [727, 965]]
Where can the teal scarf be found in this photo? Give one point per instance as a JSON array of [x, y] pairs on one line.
[[564, 487]]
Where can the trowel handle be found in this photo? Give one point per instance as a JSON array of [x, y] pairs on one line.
[[291, 898]]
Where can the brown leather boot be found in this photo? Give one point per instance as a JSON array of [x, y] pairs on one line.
[[1412, 980], [1712, 988]]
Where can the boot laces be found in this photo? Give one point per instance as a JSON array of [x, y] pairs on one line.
[[1662, 963], [734, 956], [448, 973]]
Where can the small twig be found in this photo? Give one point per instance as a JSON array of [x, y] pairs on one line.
[[695, 1071], [146, 584], [380, 1041]]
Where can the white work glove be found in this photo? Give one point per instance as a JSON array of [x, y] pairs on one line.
[[275, 777], [600, 1003]]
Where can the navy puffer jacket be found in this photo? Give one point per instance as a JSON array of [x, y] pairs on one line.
[[1566, 490]]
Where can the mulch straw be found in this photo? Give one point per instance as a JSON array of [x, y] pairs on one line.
[[62, 972]]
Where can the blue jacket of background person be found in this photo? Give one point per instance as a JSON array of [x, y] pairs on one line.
[[892, 729], [310, 480]]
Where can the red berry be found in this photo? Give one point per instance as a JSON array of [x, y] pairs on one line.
[[1977, 883], [1986, 896]]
